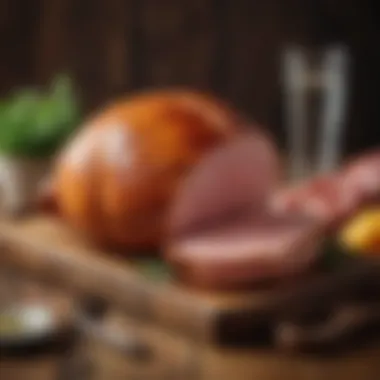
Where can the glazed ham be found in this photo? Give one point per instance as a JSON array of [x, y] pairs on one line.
[[114, 180], [221, 233]]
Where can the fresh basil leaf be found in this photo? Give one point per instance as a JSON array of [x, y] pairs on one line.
[[153, 269], [35, 124]]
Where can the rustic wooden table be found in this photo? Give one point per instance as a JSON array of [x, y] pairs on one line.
[[188, 334]]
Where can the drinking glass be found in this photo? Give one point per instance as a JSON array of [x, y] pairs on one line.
[[315, 88]]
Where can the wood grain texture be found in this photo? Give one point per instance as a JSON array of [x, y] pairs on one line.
[[179, 358], [45, 368], [47, 249], [254, 56], [267, 365], [174, 356], [51, 42], [118, 47], [229, 47], [178, 42], [18, 30]]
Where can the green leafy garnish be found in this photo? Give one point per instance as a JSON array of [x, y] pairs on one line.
[[153, 269], [34, 123]]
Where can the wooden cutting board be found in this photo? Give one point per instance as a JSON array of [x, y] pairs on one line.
[[143, 287]]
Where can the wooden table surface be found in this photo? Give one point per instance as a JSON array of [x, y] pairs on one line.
[[46, 248], [177, 323], [42, 366]]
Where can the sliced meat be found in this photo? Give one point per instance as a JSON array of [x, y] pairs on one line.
[[221, 234], [289, 199], [234, 178], [245, 252], [330, 202], [362, 177], [324, 198], [315, 198], [334, 198]]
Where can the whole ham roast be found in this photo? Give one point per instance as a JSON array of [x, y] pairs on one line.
[[115, 179]]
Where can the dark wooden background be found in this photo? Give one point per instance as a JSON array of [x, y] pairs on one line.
[[231, 47]]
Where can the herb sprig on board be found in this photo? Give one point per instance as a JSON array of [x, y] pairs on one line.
[[36, 123]]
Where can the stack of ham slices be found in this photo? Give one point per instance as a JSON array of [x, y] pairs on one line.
[[335, 197], [233, 223]]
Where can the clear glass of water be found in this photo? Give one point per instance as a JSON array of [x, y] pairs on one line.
[[315, 87]]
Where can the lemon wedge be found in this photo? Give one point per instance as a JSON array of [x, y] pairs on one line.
[[362, 233]]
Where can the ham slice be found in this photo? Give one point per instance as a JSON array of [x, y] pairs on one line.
[[234, 178], [323, 198], [246, 252], [221, 233], [362, 177], [332, 199]]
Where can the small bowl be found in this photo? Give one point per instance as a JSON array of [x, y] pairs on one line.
[[25, 325]]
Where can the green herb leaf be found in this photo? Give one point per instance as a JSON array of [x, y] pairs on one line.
[[36, 124], [154, 269]]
